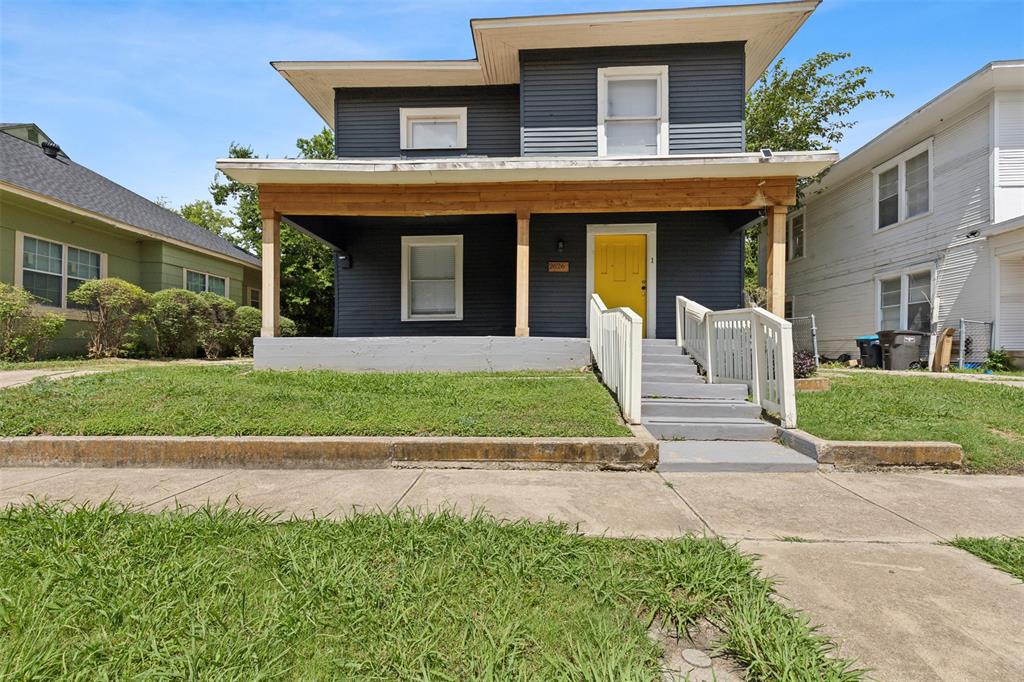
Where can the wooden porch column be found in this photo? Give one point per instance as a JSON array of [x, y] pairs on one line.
[[522, 273], [271, 292], [776, 279]]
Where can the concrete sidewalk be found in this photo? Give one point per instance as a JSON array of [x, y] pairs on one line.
[[858, 552]]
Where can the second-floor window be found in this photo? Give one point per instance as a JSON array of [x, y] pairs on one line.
[[433, 128], [903, 186], [632, 111]]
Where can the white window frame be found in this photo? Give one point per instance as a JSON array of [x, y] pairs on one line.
[[206, 280], [409, 115], [904, 277], [408, 242], [660, 73], [789, 236], [19, 270], [248, 296], [900, 162]]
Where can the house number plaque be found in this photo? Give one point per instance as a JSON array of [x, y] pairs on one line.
[[558, 266]]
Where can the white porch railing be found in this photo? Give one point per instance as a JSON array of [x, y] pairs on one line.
[[615, 344], [743, 346]]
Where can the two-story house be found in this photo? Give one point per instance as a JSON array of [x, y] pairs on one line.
[[923, 226], [576, 153]]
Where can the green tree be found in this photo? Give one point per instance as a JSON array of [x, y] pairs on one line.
[[307, 265], [807, 108], [202, 212]]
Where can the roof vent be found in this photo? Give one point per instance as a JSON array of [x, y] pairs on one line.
[[51, 149]]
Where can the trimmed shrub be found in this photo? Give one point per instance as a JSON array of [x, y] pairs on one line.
[[24, 334], [288, 328], [117, 310], [178, 317], [249, 322], [220, 335], [803, 365]]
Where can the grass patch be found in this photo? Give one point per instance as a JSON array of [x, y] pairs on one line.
[[72, 363], [235, 400], [101, 593], [1006, 554], [987, 420]]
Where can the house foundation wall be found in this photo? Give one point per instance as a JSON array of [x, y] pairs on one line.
[[423, 353]]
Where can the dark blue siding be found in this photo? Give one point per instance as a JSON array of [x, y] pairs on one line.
[[700, 255], [706, 96], [367, 120]]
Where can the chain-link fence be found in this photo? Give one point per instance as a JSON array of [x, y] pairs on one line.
[[971, 343], [805, 335]]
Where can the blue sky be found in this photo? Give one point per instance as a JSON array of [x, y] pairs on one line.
[[150, 93]]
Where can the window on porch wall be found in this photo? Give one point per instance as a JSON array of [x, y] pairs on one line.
[[432, 278]]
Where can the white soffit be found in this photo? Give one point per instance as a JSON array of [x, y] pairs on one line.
[[765, 28], [441, 171]]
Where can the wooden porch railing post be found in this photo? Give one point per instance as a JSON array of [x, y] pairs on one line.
[[523, 273], [776, 279], [271, 293]]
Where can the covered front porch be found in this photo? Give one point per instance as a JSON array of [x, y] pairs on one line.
[[528, 249]]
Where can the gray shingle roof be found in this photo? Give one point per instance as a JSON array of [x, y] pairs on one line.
[[25, 165]]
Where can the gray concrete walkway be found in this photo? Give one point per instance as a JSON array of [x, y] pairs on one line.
[[857, 552]]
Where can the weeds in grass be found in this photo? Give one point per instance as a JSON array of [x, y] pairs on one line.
[[101, 593], [1005, 553]]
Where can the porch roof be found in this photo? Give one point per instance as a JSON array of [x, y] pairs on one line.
[[524, 169]]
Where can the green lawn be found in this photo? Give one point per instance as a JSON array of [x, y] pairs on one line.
[[986, 419], [105, 594], [235, 400], [72, 363], [1006, 554]]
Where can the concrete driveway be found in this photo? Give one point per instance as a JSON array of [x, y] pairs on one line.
[[858, 552]]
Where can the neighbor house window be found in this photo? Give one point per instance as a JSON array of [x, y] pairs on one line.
[[51, 270], [253, 297], [438, 128], [203, 281], [795, 238], [905, 301], [903, 186], [632, 116], [432, 278]]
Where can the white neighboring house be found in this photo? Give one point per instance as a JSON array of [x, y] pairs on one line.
[[922, 226]]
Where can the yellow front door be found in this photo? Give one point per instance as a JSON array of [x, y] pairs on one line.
[[620, 272]]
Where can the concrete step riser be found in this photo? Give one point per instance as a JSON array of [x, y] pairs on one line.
[[711, 431], [665, 362], [696, 390], [668, 370], [721, 409], [668, 379]]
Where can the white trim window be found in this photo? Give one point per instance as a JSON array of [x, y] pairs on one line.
[[903, 186], [904, 301], [432, 278], [632, 111], [253, 297], [198, 282], [51, 270], [795, 237], [433, 128]]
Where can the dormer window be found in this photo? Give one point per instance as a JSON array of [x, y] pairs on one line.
[[435, 128], [632, 111]]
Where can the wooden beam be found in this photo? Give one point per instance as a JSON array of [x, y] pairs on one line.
[[535, 197], [776, 279], [522, 273], [271, 292]]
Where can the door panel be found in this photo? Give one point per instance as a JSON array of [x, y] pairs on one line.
[[620, 272]]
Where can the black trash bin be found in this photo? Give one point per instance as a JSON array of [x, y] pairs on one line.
[[870, 351], [901, 348]]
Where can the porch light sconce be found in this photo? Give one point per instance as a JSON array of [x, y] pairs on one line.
[[560, 245], [344, 260]]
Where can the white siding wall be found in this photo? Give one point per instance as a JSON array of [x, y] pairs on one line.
[[844, 253], [1008, 155]]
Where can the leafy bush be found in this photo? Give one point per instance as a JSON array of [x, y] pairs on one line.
[[24, 335], [803, 365], [220, 334], [178, 318], [998, 361], [288, 328], [248, 321], [116, 309]]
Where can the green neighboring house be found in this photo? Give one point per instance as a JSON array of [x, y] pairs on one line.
[[62, 224]]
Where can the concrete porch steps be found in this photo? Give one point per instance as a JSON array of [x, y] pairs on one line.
[[709, 428], [693, 387], [724, 456]]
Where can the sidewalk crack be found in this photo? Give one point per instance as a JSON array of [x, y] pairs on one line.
[[189, 489], [883, 507], [411, 486], [671, 486]]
